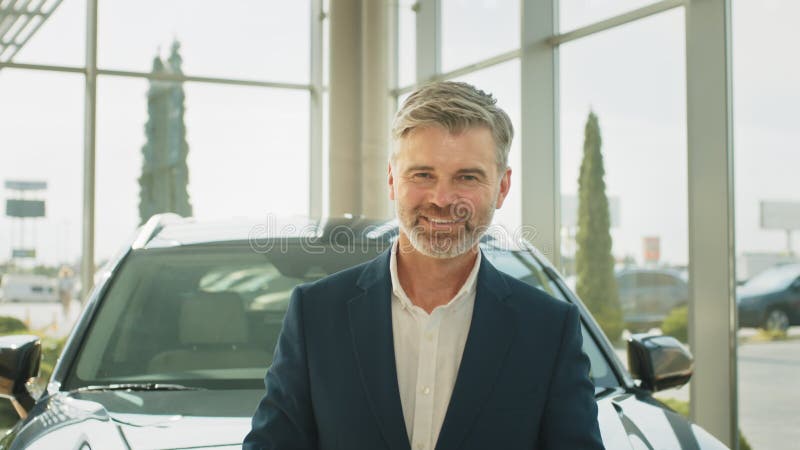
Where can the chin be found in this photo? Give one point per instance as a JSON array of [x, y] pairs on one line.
[[452, 249]]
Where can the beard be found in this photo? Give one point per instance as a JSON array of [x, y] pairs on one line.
[[458, 229]]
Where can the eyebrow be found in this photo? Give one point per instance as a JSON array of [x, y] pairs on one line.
[[468, 171], [472, 171], [416, 168]]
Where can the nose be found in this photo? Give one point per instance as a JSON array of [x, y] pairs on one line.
[[444, 194]]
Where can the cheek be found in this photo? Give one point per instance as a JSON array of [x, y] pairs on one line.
[[409, 193], [479, 199]]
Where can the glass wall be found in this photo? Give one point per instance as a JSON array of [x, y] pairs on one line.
[[406, 43], [472, 31], [766, 137], [249, 39], [632, 80], [246, 153], [41, 139], [202, 108], [574, 14], [217, 142]]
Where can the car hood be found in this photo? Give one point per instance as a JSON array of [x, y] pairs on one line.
[[627, 422], [138, 420], [220, 419]]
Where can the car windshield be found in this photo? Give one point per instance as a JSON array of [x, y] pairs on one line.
[[773, 279], [209, 317]]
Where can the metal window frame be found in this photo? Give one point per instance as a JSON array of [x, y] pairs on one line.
[[315, 169], [90, 71], [709, 148]]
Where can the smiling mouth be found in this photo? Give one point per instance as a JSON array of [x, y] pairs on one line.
[[438, 221]]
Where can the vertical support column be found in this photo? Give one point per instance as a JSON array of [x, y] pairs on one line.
[[375, 107], [89, 116], [428, 40], [345, 104], [712, 317], [315, 126], [539, 180]]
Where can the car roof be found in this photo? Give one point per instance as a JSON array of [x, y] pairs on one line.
[[189, 231], [170, 230]]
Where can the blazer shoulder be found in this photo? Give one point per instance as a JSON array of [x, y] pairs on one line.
[[527, 298], [340, 286]]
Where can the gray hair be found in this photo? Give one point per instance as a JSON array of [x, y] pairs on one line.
[[455, 106]]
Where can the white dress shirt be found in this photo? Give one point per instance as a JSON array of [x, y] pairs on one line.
[[428, 350]]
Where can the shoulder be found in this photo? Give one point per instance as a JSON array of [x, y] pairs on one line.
[[340, 286], [528, 300]]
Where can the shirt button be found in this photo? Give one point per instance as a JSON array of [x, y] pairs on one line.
[[420, 446], [426, 391], [429, 336]]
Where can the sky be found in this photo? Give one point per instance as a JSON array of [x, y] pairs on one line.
[[249, 146]]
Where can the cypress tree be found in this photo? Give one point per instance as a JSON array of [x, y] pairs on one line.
[[594, 264], [163, 184]]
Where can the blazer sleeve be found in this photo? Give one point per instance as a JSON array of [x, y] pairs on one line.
[[284, 418], [570, 416]]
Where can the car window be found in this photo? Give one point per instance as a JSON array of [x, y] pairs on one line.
[[773, 279], [523, 266], [199, 317], [210, 317]]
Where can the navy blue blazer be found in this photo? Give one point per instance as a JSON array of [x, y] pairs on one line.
[[523, 382]]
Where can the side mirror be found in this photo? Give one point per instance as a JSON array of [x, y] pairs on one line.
[[19, 362], [660, 362]]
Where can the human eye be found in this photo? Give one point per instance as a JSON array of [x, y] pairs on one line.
[[422, 176]]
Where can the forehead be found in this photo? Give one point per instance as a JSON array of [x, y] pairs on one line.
[[473, 145]]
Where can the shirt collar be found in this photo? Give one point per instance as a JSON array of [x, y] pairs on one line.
[[468, 288]]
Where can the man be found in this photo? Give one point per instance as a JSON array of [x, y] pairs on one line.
[[429, 346]]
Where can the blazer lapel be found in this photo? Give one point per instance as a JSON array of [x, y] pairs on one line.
[[371, 325], [490, 335]]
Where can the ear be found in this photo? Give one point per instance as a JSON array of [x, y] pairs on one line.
[[505, 185], [390, 179]]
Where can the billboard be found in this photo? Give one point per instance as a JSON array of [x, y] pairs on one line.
[[780, 215], [652, 249], [24, 208], [26, 185], [23, 253]]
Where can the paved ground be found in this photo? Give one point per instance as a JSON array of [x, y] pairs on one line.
[[769, 394]]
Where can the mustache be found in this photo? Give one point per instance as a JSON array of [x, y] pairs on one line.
[[462, 210]]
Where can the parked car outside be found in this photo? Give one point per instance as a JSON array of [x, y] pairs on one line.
[[647, 295], [28, 288], [172, 347], [771, 299]]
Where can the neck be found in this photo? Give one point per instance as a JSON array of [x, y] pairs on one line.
[[430, 282]]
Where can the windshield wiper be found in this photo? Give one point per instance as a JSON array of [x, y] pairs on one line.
[[135, 387]]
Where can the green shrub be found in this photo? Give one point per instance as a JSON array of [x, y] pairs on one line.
[[682, 408], [771, 335], [676, 324], [11, 325]]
